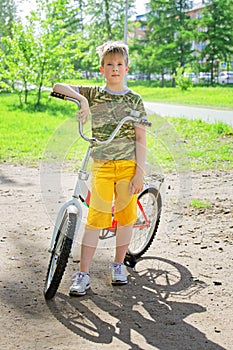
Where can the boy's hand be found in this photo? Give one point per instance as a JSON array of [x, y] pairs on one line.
[[136, 184], [84, 112]]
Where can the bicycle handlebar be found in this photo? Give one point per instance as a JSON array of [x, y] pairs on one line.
[[92, 140]]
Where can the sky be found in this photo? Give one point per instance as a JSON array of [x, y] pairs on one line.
[[140, 6], [27, 6]]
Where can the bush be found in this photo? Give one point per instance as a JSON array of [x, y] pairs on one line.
[[184, 83]]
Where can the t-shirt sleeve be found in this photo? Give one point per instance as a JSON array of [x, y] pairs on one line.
[[141, 108], [87, 91]]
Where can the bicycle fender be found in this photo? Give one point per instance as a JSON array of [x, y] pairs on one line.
[[72, 209]]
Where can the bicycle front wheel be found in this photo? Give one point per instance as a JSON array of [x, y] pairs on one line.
[[144, 230], [60, 254]]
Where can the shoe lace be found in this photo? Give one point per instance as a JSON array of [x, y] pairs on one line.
[[116, 267], [77, 277]]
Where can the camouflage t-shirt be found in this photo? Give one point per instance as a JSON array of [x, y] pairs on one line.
[[107, 109]]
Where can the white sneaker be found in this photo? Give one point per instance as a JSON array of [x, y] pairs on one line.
[[118, 274], [81, 282]]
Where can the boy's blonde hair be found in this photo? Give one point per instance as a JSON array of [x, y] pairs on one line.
[[113, 47]]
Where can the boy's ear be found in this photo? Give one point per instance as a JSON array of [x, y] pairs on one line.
[[101, 69], [127, 69]]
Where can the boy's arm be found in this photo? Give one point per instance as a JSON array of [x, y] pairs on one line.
[[136, 184], [70, 91]]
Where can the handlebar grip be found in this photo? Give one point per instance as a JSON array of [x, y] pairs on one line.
[[57, 95], [145, 122]]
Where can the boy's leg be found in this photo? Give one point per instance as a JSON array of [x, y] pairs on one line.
[[123, 237], [118, 271], [125, 214], [88, 248], [81, 280]]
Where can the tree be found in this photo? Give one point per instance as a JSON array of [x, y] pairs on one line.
[[167, 41], [40, 51], [217, 33], [57, 39], [104, 21], [7, 17], [17, 60]]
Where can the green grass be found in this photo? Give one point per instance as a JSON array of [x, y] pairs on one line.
[[183, 145], [29, 136], [207, 146], [217, 97], [199, 204], [25, 133]]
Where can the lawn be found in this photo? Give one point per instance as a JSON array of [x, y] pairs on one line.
[[217, 97]]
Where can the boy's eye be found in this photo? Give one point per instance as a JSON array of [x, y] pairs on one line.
[[110, 64]]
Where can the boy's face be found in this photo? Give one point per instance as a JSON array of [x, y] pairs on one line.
[[114, 68]]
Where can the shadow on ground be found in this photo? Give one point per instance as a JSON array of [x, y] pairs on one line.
[[142, 307]]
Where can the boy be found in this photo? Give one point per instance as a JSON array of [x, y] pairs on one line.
[[118, 168]]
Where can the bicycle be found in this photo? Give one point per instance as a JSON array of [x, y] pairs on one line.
[[67, 224]]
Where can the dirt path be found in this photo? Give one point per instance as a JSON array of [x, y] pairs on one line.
[[179, 298]]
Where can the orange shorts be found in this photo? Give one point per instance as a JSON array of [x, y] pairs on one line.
[[110, 189]]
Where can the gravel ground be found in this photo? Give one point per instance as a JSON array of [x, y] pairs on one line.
[[178, 298]]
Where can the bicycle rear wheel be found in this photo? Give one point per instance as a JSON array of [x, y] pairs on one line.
[[146, 226], [60, 254]]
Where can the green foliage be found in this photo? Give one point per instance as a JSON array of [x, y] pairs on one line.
[[59, 40], [39, 57], [167, 40], [217, 20], [53, 43], [182, 81], [18, 60], [222, 129], [105, 20], [7, 17]]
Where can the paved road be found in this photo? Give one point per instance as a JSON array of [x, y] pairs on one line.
[[206, 114]]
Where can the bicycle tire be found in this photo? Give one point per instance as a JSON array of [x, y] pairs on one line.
[[60, 254], [142, 239]]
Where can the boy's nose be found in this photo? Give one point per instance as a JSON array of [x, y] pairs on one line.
[[115, 67]]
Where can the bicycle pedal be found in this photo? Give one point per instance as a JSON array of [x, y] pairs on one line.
[[130, 260]]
